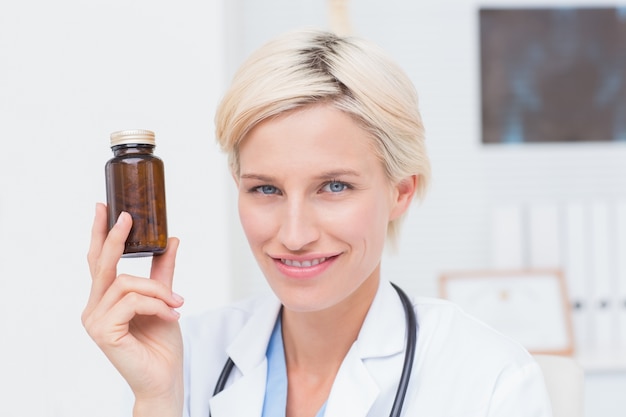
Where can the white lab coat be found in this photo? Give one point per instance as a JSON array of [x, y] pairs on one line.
[[461, 368]]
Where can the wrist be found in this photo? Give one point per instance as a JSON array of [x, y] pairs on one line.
[[158, 407], [167, 405]]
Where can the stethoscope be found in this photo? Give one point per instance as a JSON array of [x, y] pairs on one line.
[[409, 354]]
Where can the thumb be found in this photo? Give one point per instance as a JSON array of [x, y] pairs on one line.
[[163, 265]]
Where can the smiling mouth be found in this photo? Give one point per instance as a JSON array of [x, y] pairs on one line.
[[303, 264]]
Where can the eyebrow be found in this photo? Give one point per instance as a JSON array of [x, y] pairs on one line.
[[256, 177], [328, 175], [338, 173]]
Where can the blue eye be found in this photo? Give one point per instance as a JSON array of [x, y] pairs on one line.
[[335, 186], [266, 189]]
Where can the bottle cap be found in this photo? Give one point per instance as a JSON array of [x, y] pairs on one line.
[[124, 137]]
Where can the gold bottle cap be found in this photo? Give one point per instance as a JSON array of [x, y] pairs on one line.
[[124, 137]]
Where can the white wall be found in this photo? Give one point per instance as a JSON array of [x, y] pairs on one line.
[[71, 72]]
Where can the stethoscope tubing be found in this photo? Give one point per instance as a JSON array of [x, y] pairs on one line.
[[221, 381], [409, 355]]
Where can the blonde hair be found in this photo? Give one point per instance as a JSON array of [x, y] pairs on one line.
[[307, 67]]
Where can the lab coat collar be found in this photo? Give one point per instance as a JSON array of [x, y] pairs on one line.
[[382, 336], [355, 388], [245, 396], [384, 330], [249, 347]]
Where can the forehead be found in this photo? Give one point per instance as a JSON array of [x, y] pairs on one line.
[[317, 135]]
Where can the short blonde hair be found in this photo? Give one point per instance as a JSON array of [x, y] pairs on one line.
[[308, 67]]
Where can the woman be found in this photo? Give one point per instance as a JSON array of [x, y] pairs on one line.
[[326, 147]]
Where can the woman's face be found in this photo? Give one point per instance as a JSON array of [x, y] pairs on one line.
[[314, 203]]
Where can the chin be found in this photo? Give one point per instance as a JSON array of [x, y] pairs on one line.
[[305, 302]]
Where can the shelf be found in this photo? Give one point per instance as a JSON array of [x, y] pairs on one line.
[[602, 360]]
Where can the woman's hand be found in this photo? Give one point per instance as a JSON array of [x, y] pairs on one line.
[[133, 320]]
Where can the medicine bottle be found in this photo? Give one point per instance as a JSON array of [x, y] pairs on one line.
[[135, 183]]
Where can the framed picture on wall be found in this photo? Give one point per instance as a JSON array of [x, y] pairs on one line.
[[529, 306], [553, 74]]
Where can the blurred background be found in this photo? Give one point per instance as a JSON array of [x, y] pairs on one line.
[[72, 72]]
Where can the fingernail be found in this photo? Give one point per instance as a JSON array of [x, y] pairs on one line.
[[175, 313], [119, 218], [177, 298], [97, 206]]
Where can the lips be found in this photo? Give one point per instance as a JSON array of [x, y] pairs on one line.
[[304, 268]]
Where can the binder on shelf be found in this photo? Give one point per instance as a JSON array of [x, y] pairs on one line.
[[544, 236], [601, 277], [575, 268], [620, 254]]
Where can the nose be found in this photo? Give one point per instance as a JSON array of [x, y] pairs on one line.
[[299, 226]]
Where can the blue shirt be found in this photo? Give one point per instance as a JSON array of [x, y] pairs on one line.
[[275, 403]]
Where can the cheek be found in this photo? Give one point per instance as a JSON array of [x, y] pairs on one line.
[[255, 225], [364, 222]]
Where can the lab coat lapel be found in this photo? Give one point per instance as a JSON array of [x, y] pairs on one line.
[[244, 396], [354, 390], [359, 384]]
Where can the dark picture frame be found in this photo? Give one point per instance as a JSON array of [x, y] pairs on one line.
[[553, 74]]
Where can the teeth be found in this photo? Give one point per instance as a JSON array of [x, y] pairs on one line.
[[303, 264]]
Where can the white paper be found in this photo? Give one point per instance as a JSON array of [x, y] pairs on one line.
[[528, 308]]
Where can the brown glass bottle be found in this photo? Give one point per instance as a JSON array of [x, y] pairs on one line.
[[135, 183]]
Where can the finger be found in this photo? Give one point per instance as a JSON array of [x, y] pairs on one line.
[[163, 265], [105, 268], [99, 232], [113, 325], [134, 304], [128, 284]]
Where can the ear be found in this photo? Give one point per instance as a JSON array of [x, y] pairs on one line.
[[404, 191]]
